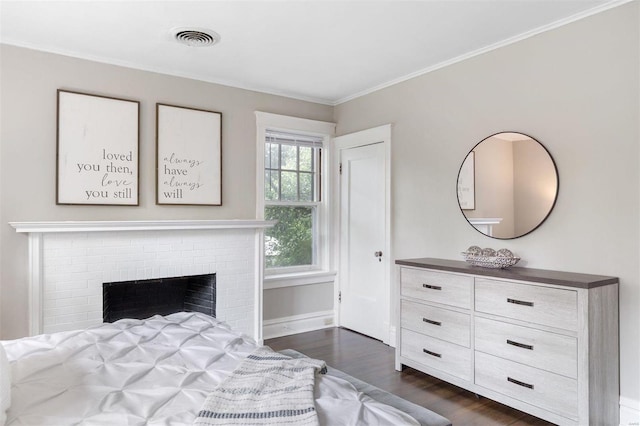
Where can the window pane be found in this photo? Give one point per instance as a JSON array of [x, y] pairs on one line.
[[290, 241], [305, 158], [306, 187], [271, 185], [275, 155], [289, 186], [267, 156], [289, 157]]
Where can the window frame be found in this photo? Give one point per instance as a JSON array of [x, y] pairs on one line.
[[322, 231]]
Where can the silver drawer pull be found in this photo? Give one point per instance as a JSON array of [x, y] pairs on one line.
[[519, 383], [520, 345], [437, 355], [438, 323], [432, 287], [520, 302]]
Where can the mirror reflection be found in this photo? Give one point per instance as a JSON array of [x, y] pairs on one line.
[[507, 185]]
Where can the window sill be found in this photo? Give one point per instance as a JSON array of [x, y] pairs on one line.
[[298, 279]]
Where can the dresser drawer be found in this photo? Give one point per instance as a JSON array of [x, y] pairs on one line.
[[547, 351], [435, 353], [546, 390], [536, 304], [439, 287], [441, 323]]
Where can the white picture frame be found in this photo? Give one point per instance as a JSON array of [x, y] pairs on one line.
[[189, 156], [97, 150]]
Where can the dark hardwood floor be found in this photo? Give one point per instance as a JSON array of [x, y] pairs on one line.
[[372, 361]]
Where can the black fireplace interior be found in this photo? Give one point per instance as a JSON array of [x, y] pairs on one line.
[[142, 299]]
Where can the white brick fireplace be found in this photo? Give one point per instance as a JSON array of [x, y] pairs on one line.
[[69, 261]]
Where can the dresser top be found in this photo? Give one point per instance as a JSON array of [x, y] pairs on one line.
[[569, 279]]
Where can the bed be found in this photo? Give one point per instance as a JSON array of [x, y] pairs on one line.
[[157, 371]]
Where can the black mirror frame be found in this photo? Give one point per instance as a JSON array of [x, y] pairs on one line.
[[555, 200]]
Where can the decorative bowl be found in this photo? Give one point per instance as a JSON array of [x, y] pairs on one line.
[[494, 262]]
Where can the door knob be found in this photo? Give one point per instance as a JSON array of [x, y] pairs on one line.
[[378, 254]]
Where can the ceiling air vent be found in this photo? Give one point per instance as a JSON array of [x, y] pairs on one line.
[[196, 37]]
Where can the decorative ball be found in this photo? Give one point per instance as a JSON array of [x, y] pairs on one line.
[[505, 253], [488, 252], [475, 250]]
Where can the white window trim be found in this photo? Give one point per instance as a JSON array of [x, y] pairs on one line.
[[266, 120]]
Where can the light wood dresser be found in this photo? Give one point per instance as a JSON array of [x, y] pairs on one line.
[[544, 342]]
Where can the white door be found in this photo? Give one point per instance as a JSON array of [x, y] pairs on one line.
[[363, 280]]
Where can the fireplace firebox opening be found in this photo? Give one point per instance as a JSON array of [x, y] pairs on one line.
[[140, 299]]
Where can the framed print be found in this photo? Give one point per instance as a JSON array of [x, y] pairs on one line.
[[97, 150], [189, 150], [466, 183]]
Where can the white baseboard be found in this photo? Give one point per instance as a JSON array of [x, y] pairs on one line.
[[295, 324], [629, 412]]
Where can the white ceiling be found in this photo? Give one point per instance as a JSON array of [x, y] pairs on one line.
[[322, 51]]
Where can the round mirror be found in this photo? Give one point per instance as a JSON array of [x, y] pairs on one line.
[[507, 185]]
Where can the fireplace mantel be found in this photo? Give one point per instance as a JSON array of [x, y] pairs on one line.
[[135, 225], [68, 267]]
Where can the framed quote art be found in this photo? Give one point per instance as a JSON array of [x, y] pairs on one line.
[[97, 150], [189, 150]]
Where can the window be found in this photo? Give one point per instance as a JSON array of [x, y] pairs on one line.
[[292, 197], [292, 183]]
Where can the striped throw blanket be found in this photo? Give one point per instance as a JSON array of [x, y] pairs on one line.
[[267, 388]]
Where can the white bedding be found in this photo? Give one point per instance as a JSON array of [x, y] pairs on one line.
[[157, 371]]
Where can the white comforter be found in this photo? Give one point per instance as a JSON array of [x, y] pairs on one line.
[[153, 372]]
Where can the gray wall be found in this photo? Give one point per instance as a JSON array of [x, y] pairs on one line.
[[290, 301], [576, 90], [29, 80]]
